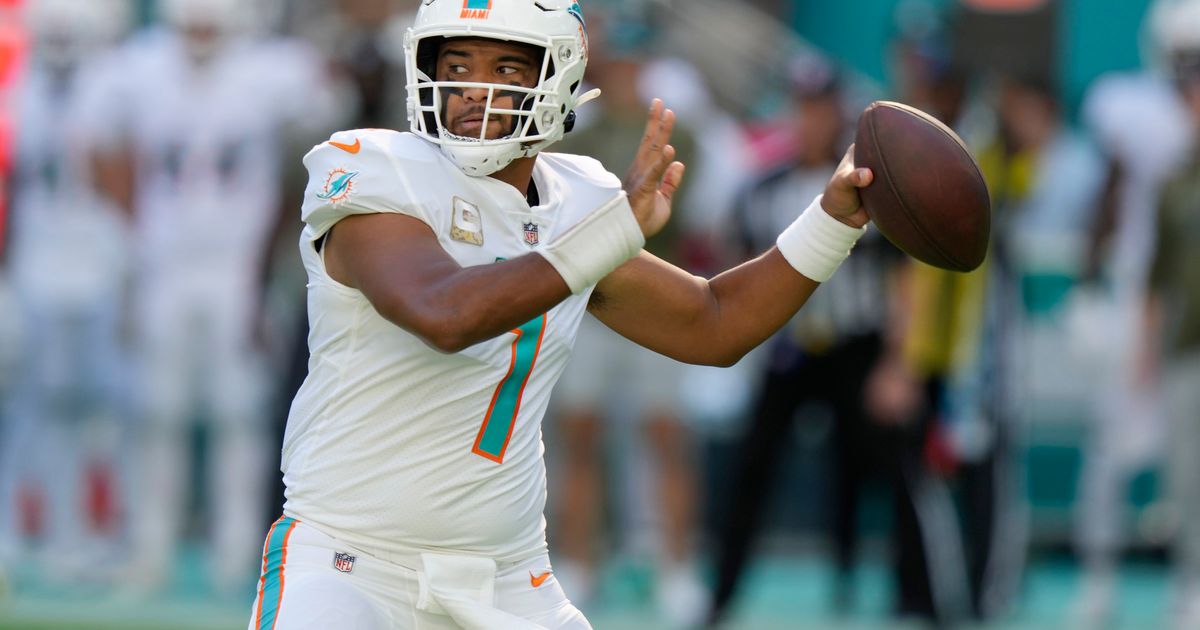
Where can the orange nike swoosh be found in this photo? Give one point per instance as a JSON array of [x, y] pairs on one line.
[[348, 148], [536, 581]]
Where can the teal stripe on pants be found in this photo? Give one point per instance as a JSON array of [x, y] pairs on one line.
[[272, 589]]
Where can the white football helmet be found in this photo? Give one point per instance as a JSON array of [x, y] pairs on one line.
[[543, 113], [224, 15], [1174, 30], [208, 26], [67, 30]]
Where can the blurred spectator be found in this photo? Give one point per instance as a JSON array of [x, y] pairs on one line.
[[12, 51], [619, 378], [711, 399], [720, 168], [364, 41], [824, 355], [67, 264], [927, 311], [195, 115], [1170, 354], [986, 387], [1144, 130]]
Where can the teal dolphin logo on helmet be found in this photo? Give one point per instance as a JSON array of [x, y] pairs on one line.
[[577, 11]]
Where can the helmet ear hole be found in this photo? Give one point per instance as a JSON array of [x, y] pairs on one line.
[[569, 123], [427, 52]]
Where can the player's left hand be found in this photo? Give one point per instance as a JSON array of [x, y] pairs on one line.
[[841, 199], [654, 175]]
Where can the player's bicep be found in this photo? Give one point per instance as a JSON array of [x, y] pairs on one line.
[[656, 305], [393, 259]]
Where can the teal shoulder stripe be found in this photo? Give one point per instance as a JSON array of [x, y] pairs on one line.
[[273, 576]]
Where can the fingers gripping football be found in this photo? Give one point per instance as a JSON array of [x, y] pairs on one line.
[[841, 198]]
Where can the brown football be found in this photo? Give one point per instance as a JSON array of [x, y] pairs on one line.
[[928, 196]]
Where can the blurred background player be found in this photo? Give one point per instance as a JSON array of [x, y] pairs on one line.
[[903, 391], [987, 390], [1143, 129], [1063, 328], [823, 356], [12, 57], [68, 263], [622, 381], [364, 41], [197, 113], [1169, 361]]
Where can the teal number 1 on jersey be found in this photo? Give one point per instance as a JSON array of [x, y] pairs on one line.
[[506, 402]]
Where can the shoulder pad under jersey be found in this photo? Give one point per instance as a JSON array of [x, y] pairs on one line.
[[583, 169], [367, 171]]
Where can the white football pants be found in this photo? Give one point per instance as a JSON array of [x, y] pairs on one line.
[[312, 581]]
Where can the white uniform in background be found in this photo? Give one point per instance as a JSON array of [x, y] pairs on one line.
[[1142, 122], [394, 449], [207, 143], [67, 264], [1138, 120]]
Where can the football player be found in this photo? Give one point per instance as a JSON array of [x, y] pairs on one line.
[[449, 268], [1142, 125], [67, 265], [200, 111]]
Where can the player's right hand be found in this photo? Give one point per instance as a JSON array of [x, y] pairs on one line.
[[654, 175], [841, 198]]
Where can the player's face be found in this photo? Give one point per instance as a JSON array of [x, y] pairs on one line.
[[484, 61], [201, 39]]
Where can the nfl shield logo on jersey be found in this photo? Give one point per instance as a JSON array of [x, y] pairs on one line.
[[343, 562], [531, 234]]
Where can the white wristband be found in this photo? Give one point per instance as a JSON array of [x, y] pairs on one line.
[[595, 246], [815, 244]]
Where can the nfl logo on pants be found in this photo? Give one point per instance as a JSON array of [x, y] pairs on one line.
[[343, 562]]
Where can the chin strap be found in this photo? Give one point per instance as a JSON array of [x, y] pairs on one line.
[[587, 97], [590, 95]]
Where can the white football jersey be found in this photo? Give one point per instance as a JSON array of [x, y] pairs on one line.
[[1140, 120], [394, 446], [68, 243], [207, 141]]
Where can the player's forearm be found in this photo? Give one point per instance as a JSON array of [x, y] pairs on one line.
[[113, 175], [755, 299], [705, 322], [473, 304], [716, 322], [750, 303]]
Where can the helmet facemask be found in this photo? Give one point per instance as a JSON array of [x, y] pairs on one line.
[[535, 116]]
